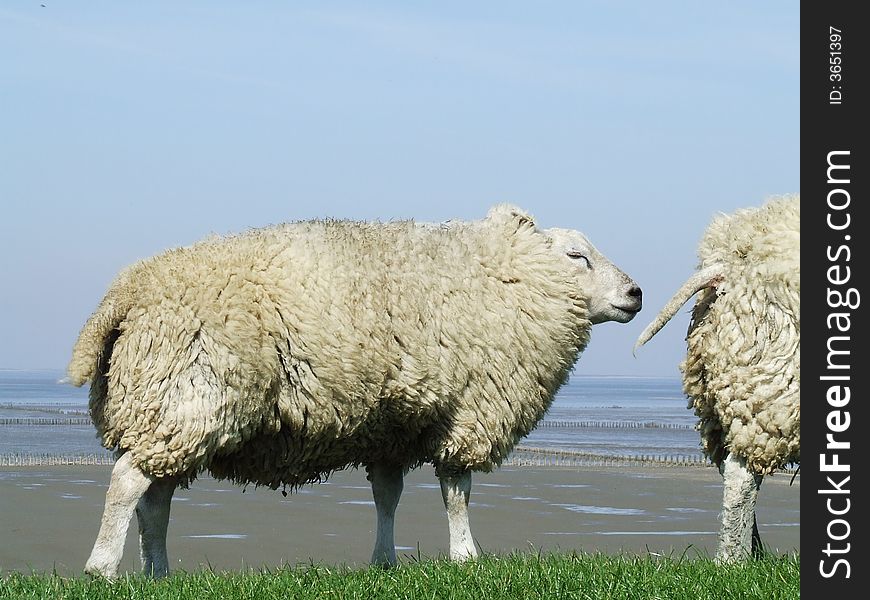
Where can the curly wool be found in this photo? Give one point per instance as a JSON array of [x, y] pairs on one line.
[[742, 369], [280, 355]]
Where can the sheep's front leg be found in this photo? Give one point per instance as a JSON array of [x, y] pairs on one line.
[[456, 492], [738, 510], [152, 512], [126, 487], [387, 483]]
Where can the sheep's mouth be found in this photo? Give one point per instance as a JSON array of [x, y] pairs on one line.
[[632, 310], [626, 313]]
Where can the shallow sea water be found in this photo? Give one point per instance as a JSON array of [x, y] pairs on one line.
[[608, 416]]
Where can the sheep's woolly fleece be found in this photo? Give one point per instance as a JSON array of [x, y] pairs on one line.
[[742, 369], [280, 355]]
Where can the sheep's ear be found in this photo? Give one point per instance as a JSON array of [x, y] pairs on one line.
[[509, 214]]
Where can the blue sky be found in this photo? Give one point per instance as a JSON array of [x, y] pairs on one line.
[[130, 128]]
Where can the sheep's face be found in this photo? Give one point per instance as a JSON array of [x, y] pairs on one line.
[[612, 295]]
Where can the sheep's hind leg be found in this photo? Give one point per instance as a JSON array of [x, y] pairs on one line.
[[456, 492], [757, 546], [387, 483], [126, 487], [152, 512], [738, 510]]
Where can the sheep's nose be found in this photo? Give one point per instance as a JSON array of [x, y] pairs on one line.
[[635, 292]]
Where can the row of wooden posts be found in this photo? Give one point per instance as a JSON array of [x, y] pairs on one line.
[[22, 421], [521, 456]]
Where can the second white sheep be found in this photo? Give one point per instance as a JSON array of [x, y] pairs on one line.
[[742, 371]]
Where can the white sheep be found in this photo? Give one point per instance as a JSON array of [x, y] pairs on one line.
[[281, 355], [742, 369]]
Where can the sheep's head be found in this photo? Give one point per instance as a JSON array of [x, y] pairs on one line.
[[612, 295]]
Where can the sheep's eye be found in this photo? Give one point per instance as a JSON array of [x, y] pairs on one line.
[[576, 255]]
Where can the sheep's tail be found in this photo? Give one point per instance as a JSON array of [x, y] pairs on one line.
[[704, 278], [93, 337]]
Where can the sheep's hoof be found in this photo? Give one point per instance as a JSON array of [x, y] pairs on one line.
[[384, 561], [730, 558], [463, 555], [100, 571]]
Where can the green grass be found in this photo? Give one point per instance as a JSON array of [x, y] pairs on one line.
[[551, 576]]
